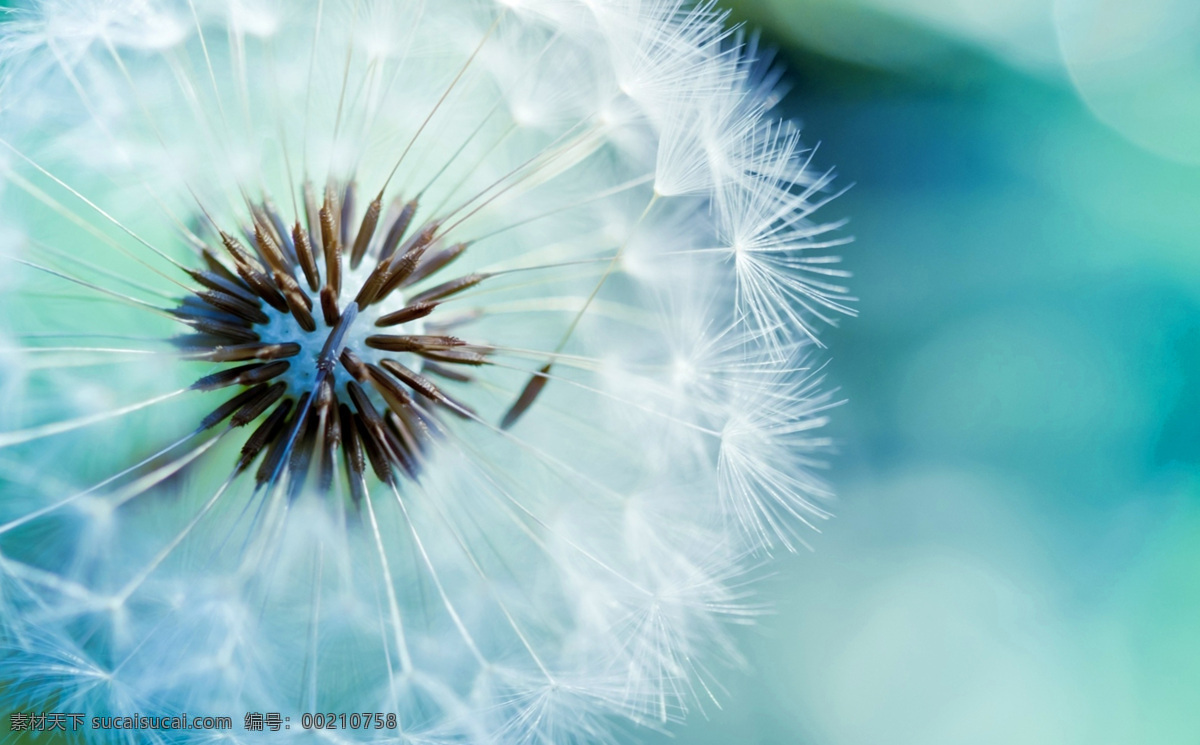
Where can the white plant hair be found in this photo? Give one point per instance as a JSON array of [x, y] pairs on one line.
[[456, 359]]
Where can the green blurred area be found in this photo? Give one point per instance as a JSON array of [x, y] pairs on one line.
[[1016, 557]]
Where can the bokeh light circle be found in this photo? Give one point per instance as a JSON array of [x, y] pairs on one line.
[[1137, 66]]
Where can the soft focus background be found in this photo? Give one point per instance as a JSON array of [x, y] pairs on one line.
[[1016, 557]]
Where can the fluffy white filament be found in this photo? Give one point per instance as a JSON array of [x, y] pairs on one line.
[[649, 229]]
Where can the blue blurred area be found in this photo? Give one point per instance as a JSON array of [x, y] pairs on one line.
[[1016, 557]]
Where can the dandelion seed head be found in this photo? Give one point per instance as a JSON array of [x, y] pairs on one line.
[[452, 360]]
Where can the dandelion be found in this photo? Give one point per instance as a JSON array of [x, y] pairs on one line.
[[446, 360]]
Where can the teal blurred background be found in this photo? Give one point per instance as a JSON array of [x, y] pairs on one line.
[[1016, 557]]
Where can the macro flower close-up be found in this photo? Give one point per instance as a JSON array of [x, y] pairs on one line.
[[447, 370]]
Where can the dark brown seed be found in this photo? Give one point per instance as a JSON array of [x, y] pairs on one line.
[[192, 308], [455, 357], [232, 376], [417, 343], [242, 375], [298, 302], [327, 410], [281, 232], [371, 431], [354, 365], [232, 332], [392, 343], [225, 282], [325, 396], [527, 397], [406, 314], [377, 452], [401, 267], [426, 388], [446, 289], [362, 403], [397, 230], [370, 289], [223, 411], [304, 252], [238, 252], [333, 267], [365, 232], [329, 216], [329, 239], [252, 409], [434, 263], [245, 352], [395, 396], [353, 454], [417, 382], [391, 444], [234, 305], [329, 306], [288, 284], [420, 242], [218, 268], [263, 435], [270, 469], [260, 284], [269, 249], [196, 346]]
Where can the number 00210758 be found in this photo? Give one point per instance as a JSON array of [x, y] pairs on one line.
[[367, 720]]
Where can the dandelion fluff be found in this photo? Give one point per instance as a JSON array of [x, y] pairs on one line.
[[446, 359]]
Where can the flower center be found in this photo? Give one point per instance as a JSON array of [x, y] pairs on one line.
[[334, 348]]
